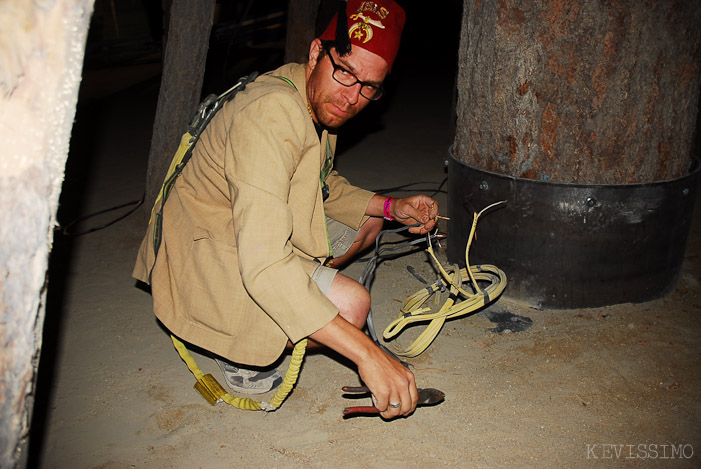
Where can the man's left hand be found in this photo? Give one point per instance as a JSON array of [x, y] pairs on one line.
[[416, 209]]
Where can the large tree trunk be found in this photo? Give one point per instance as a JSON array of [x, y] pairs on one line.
[[579, 91], [301, 21], [41, 56], [183, 72]]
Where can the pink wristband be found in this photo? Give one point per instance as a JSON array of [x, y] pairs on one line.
[[388, 204]]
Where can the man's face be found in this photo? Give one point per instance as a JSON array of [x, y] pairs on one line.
[[333, 104]]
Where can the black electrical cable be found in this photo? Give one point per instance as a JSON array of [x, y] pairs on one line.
[[66, 229], [368, 274], [403, 188]]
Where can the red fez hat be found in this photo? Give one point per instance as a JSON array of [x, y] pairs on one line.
[[374, 26]]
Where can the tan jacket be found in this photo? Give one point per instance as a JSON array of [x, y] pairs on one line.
[[244, 227]]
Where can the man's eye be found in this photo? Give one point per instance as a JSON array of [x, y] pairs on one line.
[[344, 71]]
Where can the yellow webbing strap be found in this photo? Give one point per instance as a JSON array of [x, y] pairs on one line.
[[246, 403], [412, 310], [185, 143], [206, 111], [207, 385]]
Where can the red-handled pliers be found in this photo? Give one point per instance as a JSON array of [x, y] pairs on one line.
[[427, 396]]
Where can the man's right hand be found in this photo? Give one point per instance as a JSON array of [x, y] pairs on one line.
[[389, 381]]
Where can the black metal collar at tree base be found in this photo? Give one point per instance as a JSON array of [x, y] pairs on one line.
[[572, 245]]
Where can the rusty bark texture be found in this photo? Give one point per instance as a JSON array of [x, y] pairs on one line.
[[181, 84], [301, 18], [41, 57], [588, 91]]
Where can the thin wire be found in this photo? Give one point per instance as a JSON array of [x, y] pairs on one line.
[[403, 188], [66, 229]]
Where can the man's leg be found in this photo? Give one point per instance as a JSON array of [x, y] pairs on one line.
[[364, 239], [350, 297]]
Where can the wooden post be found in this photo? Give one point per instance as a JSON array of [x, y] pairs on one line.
[[579, 91], [41, 55], [183, 71], [301, 21]]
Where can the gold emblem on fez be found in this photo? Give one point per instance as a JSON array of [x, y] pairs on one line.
[[362, 30]]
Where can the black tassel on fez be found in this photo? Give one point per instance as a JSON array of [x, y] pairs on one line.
[[343, 46]]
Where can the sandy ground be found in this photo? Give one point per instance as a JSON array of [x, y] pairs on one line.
[[614, 386]]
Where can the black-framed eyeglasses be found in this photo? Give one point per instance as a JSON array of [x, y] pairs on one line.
[[347, 78]]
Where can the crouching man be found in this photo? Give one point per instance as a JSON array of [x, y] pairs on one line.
[[258, 222]]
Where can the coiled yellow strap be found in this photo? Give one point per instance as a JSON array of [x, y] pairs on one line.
[[412, 310]]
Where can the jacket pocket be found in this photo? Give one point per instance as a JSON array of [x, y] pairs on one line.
[[214, 292]]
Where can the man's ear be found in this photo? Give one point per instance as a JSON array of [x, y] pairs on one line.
[[314, 51]]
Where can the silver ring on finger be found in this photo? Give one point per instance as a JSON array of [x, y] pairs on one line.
[[395, 406]]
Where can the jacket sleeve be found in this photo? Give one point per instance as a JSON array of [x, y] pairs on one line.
[[346, 202], [265, 143]]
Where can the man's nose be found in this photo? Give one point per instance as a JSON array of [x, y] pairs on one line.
[[352, 93]]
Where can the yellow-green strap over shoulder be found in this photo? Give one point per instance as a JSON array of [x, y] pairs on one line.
[[287, 80], [208, 108]]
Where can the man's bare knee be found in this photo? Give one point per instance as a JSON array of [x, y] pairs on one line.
[[351, 298]]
